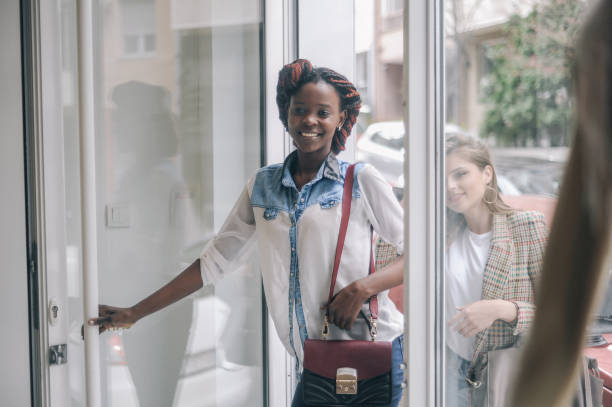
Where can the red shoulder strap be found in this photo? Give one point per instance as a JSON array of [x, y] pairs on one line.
[[347, 196]]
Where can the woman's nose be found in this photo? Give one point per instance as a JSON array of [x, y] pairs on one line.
[[310, 120]]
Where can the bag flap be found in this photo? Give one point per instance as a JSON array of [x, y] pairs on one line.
[[369, 358]]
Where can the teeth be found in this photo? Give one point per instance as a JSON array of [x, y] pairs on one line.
[[309, 134]]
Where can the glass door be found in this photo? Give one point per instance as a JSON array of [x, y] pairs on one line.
[[508, 97], [488, 111], [177, 135]]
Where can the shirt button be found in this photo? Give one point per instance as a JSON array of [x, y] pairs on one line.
[[293, 249], [302, 200]]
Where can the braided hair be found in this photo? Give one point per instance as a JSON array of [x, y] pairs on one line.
[[300, 72]]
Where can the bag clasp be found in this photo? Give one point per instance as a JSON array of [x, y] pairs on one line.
[[346, 380]]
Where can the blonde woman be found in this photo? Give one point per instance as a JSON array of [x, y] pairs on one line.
[[494, 255]]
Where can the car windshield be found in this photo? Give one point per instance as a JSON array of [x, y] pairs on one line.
[[529, 175]]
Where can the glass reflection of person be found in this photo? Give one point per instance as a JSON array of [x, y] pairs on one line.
[[143, 255], [494, 255], [293, 210]]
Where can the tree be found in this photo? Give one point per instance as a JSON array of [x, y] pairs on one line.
[[528, 87]]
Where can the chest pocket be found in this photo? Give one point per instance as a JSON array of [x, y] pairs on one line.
[[330, 200], [270, 213]]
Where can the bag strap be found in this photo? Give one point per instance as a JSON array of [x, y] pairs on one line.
[[347, 196]]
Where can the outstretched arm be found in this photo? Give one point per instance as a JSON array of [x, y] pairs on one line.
[[189, 281], [216, 259]]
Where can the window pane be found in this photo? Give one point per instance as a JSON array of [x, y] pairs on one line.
[[378, 62], [149, 43], [177, 137], [131, 44], [508, 112]]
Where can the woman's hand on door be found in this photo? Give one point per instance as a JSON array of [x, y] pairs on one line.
[[113, 318]]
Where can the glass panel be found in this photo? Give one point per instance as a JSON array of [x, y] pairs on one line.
[[178, 134], [508, 125], [378, 62], [508, 87]]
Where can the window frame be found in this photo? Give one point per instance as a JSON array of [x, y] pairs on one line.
[[424, 211]]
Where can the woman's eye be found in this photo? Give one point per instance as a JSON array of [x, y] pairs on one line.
[[458, 175], [323, 113], [298, 110]]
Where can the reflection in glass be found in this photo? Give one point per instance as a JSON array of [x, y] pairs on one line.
[[178, 102], [507, 74], [494, 254]]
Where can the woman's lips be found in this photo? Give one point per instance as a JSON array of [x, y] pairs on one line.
[[455, 198]]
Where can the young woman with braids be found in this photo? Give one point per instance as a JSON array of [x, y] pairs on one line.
[[494, 255], [293, 212]]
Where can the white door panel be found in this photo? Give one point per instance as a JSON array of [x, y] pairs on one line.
[[15, 369]]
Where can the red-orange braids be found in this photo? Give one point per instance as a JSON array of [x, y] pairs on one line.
[[294, 75]]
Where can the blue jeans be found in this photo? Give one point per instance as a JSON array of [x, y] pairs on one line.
[[397, 376], [457, 388]]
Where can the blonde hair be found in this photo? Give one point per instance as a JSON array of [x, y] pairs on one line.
[[476, 152]]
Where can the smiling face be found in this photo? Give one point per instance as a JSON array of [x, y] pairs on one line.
[[466, 184], [313, 117]]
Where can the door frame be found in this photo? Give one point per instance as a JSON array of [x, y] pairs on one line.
[[34, 204], [424, 211]]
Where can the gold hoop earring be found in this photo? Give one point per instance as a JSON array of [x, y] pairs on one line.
[[484, 198]]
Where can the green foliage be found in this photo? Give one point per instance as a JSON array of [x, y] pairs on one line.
[[528, 87]]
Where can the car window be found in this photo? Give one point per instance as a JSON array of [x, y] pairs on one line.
[[386, 139]]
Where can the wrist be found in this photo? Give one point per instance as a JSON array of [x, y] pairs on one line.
[[136, 313], [362, 290], [507, 311]]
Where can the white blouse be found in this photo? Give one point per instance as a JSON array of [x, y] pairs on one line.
[[296, 232]]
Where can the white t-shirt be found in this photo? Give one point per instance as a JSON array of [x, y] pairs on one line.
[[465, 263]]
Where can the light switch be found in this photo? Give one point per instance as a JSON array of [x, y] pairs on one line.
[[118, 215]]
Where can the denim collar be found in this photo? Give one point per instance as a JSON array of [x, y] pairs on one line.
[[329, 169]]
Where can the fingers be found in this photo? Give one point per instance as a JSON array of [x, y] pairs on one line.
[[458, 317], [462, 324], [109, 318], [465, 328], [340, 318], [100, 321]]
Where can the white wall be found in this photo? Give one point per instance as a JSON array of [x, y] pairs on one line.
[[14, 369]]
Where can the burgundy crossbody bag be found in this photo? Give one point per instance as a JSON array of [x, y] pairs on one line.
[[351, 372]]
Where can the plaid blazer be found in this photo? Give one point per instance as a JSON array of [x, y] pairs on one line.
[[512, 268], [513, 265]]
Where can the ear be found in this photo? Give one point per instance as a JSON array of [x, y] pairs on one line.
[[488, 174], [342, 118]]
